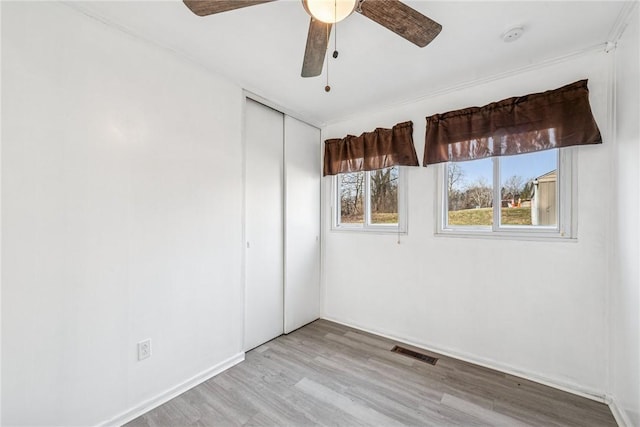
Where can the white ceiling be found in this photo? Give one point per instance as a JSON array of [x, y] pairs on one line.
[[261, 47]]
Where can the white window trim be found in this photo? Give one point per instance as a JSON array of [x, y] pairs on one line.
[[567, 229], [401, 228]]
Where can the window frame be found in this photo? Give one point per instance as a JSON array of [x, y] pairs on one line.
[[367, 226], [566, 201]]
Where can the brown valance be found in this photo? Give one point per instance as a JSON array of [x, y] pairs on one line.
[[535, 122], [379, 149]]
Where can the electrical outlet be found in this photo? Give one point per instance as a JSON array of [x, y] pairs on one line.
[[144, 349]]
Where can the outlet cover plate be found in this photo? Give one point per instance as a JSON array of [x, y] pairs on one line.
[[144, 349]]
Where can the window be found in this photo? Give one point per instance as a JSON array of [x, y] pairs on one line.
[[526, 195], [370, 201]]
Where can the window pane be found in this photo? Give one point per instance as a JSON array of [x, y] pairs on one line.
[[528, 187], [384, 196], [351, 198], [470, 193]]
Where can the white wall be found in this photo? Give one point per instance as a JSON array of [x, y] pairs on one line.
[[478, 298], [625, 283], [121, 218]]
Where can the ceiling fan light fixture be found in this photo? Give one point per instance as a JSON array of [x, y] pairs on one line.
[[329, 11]]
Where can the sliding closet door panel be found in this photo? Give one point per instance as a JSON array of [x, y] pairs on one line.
[[302, 224], [264, 280]]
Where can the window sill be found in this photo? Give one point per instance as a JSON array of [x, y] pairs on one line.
[[506, 235], [370, 230]]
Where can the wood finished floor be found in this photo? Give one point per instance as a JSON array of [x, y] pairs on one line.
[[329, 374]]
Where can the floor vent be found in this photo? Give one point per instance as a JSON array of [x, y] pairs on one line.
[[414, 354]]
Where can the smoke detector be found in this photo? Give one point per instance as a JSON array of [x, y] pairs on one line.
[[512, 34]]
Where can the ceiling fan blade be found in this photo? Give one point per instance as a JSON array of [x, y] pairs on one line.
[[314, 53], [402, 20], [209, 7]]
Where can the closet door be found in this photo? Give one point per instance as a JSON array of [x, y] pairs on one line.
[[302, 224], [264, 278]]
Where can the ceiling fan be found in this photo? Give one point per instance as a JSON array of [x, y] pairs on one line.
[[392, 14]]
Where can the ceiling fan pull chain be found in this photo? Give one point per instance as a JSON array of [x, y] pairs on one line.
[[327, 88], [335, 34], [335, 42]]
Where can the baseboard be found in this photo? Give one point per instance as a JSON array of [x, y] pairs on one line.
[[619, 414], [487, 363], [167, 395]]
